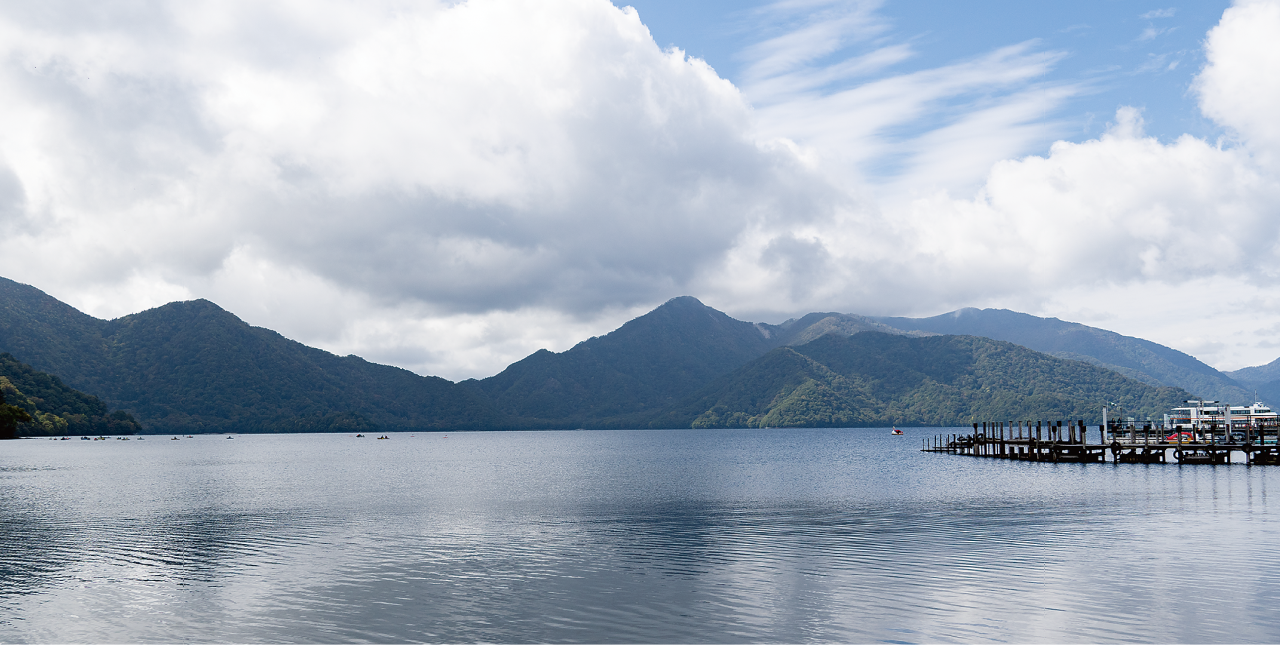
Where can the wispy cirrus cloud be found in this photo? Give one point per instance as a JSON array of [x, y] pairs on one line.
[[829, 83]]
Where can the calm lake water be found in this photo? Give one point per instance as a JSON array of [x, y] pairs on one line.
[[831, 535]]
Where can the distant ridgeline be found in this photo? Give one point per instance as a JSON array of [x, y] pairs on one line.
[[877, 379], [52, 408], [192, 367]]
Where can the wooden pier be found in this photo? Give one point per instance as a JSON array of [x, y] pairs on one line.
[[1069, 441]]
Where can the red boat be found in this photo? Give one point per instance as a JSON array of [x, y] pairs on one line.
[[896, 431]]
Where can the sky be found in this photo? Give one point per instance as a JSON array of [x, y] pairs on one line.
[[450, 186]]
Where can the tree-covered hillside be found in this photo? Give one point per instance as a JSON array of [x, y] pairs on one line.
[[872, 379], [1264, 380], [192, 367], [52, 336], [811, 326], [54, 408], [625, 377], [1140, 359]]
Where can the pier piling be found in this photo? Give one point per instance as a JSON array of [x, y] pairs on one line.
[[1046, 441]]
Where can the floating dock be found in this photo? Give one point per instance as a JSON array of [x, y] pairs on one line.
[[1042, 441]]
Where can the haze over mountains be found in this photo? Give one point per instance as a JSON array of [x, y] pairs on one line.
[[193, 367]]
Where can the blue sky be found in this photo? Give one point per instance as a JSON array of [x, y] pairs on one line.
[[1118, 53]]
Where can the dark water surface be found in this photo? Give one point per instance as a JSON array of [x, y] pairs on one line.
[[623, 536]]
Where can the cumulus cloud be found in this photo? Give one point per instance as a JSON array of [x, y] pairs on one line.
[[478, 156], [1240, 87], [448, 186], [1159, 239], [444, 159], [1128, 214]]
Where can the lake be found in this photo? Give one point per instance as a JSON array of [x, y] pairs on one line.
[[796, 535]]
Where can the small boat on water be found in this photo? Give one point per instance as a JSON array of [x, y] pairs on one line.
[[896, 431]]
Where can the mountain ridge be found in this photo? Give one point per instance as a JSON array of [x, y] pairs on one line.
[[629, 374], [191, 366], [1134, 357], [879, 379]]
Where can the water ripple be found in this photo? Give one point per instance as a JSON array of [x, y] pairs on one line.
[[621, 537]]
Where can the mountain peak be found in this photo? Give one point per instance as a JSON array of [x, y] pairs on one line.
[[633, 371], [683, 301]]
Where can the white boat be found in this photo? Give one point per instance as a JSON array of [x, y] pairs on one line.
[[1217, 416]]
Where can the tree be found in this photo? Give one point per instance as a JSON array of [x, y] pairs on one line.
[[10, 417]]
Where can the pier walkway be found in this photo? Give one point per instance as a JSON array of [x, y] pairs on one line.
[[1070, 442]]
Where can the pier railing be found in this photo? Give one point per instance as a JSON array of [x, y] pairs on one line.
[[1074, 441]]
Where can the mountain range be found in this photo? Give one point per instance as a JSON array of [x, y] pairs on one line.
[[194, 367], [1139, 359]]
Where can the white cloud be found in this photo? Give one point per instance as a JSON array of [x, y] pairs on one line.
[[1240, 87], [438, 160], [855, 129], [1092, 226], [449, 186]]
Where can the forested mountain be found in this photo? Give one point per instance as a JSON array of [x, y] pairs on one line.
[[1136, 358], [52, 336], [811, 326], [625, 377], [1257, 374], [193, 367], [876, 379], [54, 408], [1264, 379]]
